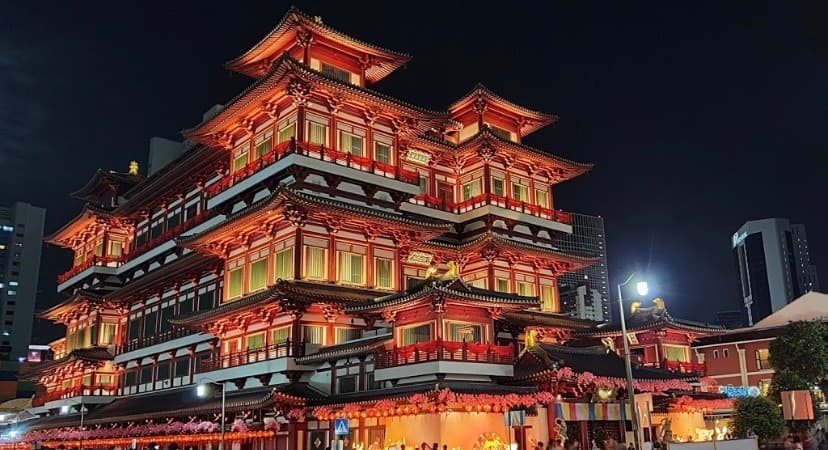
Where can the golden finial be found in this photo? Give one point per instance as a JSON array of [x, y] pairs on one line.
[[317, 19], [133, 167]]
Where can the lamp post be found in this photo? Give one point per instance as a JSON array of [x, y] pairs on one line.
[[641, 287], [201, 391]]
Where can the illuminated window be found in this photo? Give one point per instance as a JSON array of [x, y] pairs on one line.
[[87, 380], [472, 189], [525, 289], [763, 359], [479, 283], [318, 133], [314, 334], [284, 264], [256, 341], [498, 187], [11, 293], [350, 267], [520, 192], [78, 256], [104, 380], [116, 249], [542, 198], [99, 246], [415, 334], [287, 132], [336, 73], [423, 184], [382, 153], [264, 144], [548, 301], [235, 282], [315, 263], [674, 353], [350, 143], [280, 335], [502, 285], [383, 272], [258, 274], [347, 334], [465, 332], [108, 333], [240, 161]]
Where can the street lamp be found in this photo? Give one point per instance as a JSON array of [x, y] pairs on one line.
[[202, 391], [642, 289]]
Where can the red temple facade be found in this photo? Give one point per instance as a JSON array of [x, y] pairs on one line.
[[321, 251]]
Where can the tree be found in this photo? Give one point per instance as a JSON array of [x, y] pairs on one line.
[[760, 415], [799, 356]]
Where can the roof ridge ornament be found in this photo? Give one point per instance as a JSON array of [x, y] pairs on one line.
[[133, 168]]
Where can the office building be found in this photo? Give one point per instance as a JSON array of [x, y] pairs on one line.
[[587, 240], [21, 239], [773, 266]]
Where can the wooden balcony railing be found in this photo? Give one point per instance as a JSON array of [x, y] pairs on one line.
[[103, 261], [274, 351], [677, 366], [445, 351], [494, 200], [76, 391], [159, 338], [317, 152]]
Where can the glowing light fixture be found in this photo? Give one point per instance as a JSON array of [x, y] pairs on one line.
[[642, 288]]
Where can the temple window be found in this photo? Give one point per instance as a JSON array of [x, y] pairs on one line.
[[283, 264], [415, 333], [191, 211], [525, 289], [263, 144], [105, 380], [108, 333], [287, 130], [347, 384], [472, 189], [256, 341], [384, 273], [351, 143], [150, 322], [317, 133], [79, 256], [336, 73], [423, 183], [548, 301], [206, 299], [542, 198], [502, 285], [182, 367], [146, 374], [280, 335], [675, 353], [347, 334], [163, 371], [258, 273], [465, 332], [174, 218], [520, 192], [351, 267], [479, 283], [240, 158], [166, 314], [315, 263], [86, 380], [185, 303], [498, 187], [313, 334], [135, 328], [157, 228], [382, 153]]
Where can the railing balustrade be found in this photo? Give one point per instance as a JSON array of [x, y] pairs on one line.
[[494, 200], [235, 359], [445, 351]]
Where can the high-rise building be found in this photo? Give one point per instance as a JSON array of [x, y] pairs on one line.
[[773, 266], [588, 240], [21, 239]]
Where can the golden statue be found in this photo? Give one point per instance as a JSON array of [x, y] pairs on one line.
[[609, 343], [656, 311], [453, 271], [531, 338], [133, 167]]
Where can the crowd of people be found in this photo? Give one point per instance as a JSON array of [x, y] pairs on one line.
[[611, 443]]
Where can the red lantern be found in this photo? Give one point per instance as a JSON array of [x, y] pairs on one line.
[[432, 407], [487, 408], [441, 407], [496, 408], [468, 408]]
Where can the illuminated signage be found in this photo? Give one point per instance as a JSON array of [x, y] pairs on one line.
[[420, 258], [738, 238], [418, 156], [739, 391]]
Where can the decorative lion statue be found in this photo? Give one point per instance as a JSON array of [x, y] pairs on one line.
[[453, 271], [609, 343], [657, 311]]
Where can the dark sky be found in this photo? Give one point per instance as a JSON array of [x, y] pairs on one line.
[[698, 118]]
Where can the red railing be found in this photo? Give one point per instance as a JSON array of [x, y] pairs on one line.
[[445, 351], [169, 234], [158, 338], [685, 367], [89, 262], [495, 200], [317, 152], [274, 351], [76, 391]]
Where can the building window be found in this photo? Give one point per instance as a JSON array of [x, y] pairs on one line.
[[336, 73], [163, 370], [350, 267], [287, 132], [258, 274], [498, 188], [182, 367], [314, 334], [674, 353], [479, 283], [373, 384], [502, 285], [116, 249], [284, 264], [108, 333], [264, 144], [347, 334], [763, 359], [465, 332], [415, 334], [350, 143], [725, 353], [146, 374], [548, 302], [384, 273], [347, 384], [240, 161], [520, 192], [525, 289], [382, 153], [542, 198], [280, 335], [236, 281], [315, 267], [318, 133], [423, 185], [206, 300], [715, 354], [256, 341], [472, 189], [131, 378], [150, 323]]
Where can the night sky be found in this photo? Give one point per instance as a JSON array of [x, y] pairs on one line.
[[697, 118]]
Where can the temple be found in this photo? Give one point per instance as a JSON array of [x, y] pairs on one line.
[[323, 251]]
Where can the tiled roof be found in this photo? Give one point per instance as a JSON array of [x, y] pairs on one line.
[[452, 289], [78, 296], [548, 319], [480, 90], [92, 354], [355, 348], [404, 390], [88, 213], [124, 181]]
